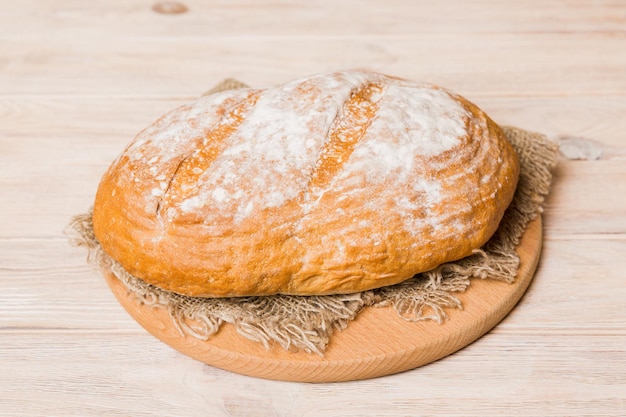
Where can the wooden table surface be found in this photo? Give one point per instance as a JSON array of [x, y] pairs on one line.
[[79, 79]]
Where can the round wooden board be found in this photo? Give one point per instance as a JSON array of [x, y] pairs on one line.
[[378, 342]]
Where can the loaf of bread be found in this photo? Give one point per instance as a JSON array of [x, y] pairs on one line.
[[335, 183]]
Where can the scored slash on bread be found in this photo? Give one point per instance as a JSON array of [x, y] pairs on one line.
[[335, 183]]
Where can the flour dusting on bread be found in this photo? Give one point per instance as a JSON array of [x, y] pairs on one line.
[[334, 183]]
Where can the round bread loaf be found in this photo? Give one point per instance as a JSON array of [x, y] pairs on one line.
[[336, 183]]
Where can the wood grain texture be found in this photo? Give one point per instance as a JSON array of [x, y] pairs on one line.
[[377, 343], [560, 64], [79, 79], [242, 18], [88, 374]]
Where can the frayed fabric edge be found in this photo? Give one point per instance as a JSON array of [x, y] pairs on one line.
[[307, 323]]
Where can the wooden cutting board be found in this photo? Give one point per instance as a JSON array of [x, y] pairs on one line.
[[378, 342]]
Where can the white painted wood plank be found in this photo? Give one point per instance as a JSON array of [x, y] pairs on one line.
[[587, 197], [504, 65], [534, 374], [322, 18], [46, 285]]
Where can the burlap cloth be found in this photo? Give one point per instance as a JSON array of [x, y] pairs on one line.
[[296, 322]]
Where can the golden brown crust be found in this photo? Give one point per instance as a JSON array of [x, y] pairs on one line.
[[337, 183]]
